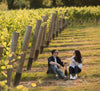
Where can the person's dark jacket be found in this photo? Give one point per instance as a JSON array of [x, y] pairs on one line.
[[52, 59]]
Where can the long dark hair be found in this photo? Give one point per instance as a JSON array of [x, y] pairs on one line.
[[78, 57]]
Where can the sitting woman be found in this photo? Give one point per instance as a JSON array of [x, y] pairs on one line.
[[75, 65]]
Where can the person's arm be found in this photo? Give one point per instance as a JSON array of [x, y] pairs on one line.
[[63, 63], [53, 63], [60, 62], [74, 62]]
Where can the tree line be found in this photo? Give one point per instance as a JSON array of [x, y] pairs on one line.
[[15, 4]]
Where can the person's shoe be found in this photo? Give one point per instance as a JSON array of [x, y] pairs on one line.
[[65, 78], [57, 78], [71, 77], [75, 77]]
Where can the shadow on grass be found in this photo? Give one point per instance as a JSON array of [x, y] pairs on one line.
[[83, 26]]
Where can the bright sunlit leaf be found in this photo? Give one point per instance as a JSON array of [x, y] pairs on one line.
[[33, 84]]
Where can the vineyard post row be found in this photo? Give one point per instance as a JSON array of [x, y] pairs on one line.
[[39, 42]]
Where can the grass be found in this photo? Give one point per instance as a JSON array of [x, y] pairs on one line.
[[69, 54], [67, 48], [85, 87], [37, 64], [72, 44], [35, 76]]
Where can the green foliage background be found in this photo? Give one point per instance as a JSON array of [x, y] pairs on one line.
[[48, 3]]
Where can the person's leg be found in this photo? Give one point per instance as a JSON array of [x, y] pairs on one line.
[[77, 70], [71, 71], [61, 74], [54, 71]]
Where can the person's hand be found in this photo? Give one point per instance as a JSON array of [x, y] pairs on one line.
[[59, 65], [65, 63], [75, 63]]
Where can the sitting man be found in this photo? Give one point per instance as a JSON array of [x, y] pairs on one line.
[[54, 63]]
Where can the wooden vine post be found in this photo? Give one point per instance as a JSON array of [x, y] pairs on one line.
[[33, 46], [57, 25], [23, 55], [49, 36], [66, 20], [54, 26], [1, 51], [43, 43], [39, 41], [13, 48], [61, 22], [97, 20]]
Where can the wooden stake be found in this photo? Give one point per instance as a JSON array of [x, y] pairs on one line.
[[57, 26], [61, 22], [66, 20], [13, 48], [43, 44], [49, 36], [1, 51], [23, 55], [54, 26], [38, 44], [34, 42]]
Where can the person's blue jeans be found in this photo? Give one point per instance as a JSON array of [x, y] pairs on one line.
[[74, 70], [55, 70]]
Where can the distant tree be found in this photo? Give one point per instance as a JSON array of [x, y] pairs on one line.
[[16, 4], [10, 4], [21, 4], [81, 2], [68, 2], [47, 3], [59, 3], [36, 3], [54, 3]]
